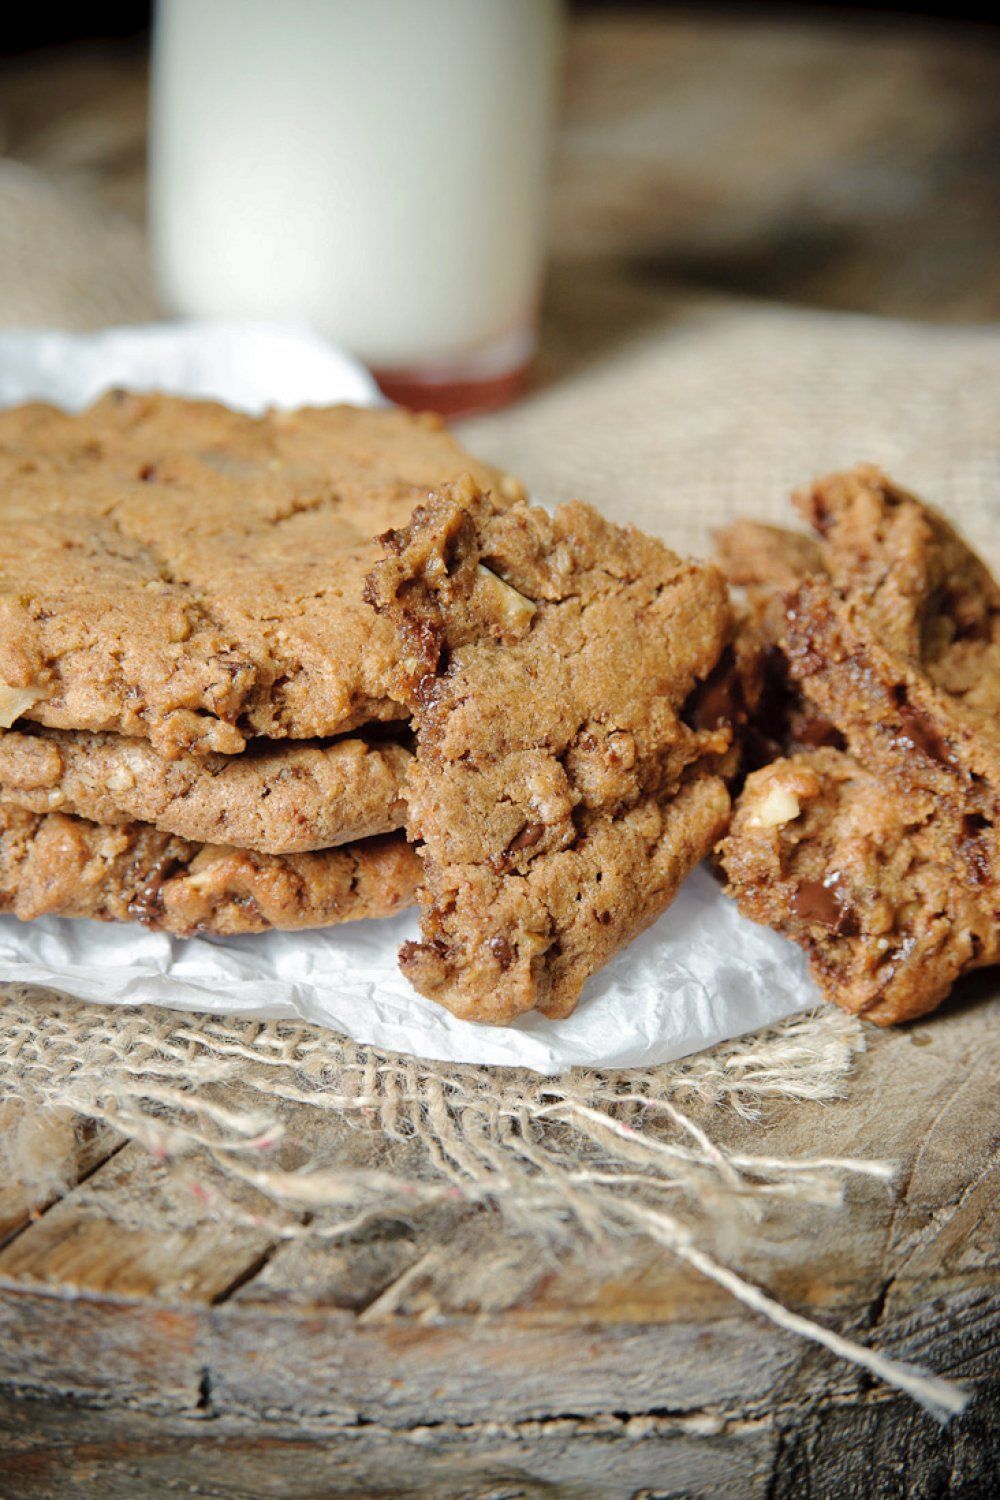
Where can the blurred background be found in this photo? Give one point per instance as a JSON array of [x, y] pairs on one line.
[[829, 156]]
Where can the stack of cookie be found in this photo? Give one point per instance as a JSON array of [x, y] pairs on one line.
[[871, 839], [222, 699], [204, 741]]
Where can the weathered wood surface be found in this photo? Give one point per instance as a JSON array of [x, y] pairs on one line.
[[79, 1454], [459, 1357], [146, 1350]]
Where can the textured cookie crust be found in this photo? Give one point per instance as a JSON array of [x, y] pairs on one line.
[[763, 563], [559, 794], [274, 798], [54, 865], [914, 587], [875, 887], [173, 570]]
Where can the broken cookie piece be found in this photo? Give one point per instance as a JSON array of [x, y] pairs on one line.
[[559, 796], [762, 563], [892, 714], [924, 591], [891, 651], [752, 554], [871, 883], [912, 584]]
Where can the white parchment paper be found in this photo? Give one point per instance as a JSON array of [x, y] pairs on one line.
[[700, 974]]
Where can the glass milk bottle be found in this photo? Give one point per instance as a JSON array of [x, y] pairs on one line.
[[373, 168]]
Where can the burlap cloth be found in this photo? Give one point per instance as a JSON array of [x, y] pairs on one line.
[[672, 412]]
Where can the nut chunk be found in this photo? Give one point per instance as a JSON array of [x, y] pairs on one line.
[[558, 794]]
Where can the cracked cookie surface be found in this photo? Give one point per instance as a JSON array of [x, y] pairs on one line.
[[889, 709], [559, 794], [923, 590], [178, 571], [284, 798], [55, 865]]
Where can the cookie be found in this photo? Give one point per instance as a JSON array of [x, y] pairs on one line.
[[274, 798], [912, 584], [871, 885], [176, 571], [754, 555], [891, 654], [559, 795], [55, 865], [761, 563]]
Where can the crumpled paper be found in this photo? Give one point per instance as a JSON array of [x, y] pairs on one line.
[[700, 974]]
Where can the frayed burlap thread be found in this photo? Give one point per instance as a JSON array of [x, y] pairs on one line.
[[602, 1154]]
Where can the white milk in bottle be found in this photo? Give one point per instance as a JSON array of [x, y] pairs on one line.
[[374, 168]]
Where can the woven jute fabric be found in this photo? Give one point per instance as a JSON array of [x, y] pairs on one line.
[[64, 261], [676, 413]]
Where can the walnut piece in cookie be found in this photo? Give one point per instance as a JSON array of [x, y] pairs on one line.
[[559, 796], [868, 878], [14, 701]]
